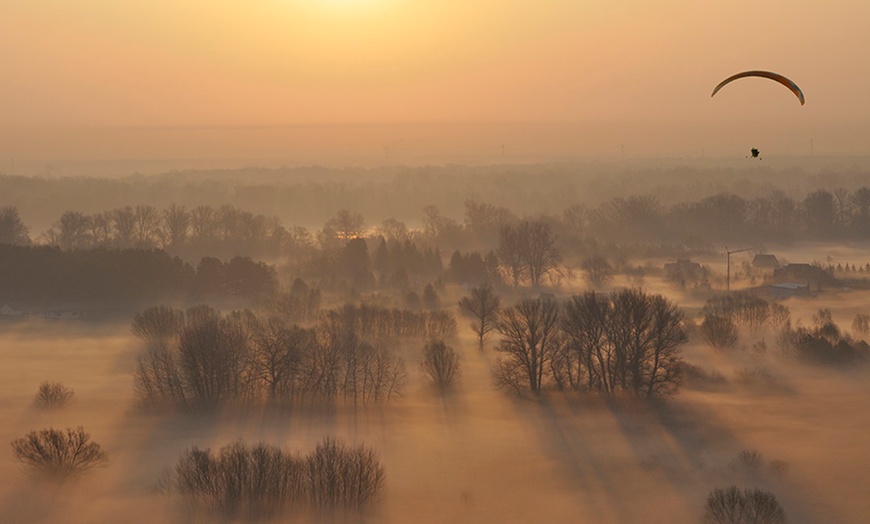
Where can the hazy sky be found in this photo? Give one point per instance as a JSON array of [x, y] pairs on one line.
[[287, 62]]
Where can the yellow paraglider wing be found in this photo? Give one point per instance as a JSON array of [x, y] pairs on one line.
[[764, 74]]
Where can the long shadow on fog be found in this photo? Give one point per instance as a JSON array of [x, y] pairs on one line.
[[670, 441]]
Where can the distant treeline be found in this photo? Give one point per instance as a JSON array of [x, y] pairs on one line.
[[491, 244], [309, 195], [224, 230], [46, 274]]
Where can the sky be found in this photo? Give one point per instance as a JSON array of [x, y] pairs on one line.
[[632, 71]]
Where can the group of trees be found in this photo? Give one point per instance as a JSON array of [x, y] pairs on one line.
[[43, 274], [725, 314], [199, 358], [627, 341], [144, 226], [263, 481], [825, 343]]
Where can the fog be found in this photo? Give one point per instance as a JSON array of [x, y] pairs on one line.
[[475, 451], [473, 456]]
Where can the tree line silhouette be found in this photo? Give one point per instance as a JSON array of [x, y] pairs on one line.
[[201, 358], [38, 275]]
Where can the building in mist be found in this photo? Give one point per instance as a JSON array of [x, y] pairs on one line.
[[812, 276], [765, 262]]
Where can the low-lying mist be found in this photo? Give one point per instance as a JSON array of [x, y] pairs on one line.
[[473, 454]]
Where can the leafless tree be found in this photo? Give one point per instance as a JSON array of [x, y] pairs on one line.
[[175, 225], [347, 225], [158, 381], [748, 506], [483, 306], [52, 395], [147, 222], [73, 231], [749, 461], [157, 324], [629, 341], [576, 217], [719, 332], [278, 352], [202, 223], [440, 364], [340, 476], [125, 225], [530, 343], [392, 229], [56, 452], [538, 248], [596, 270], [100, 225], [257, 482], [214, 357], [588, 354], [510, 252]]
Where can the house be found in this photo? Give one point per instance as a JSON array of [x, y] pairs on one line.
[[685, 272], [765, 262], [811, 276], [8, 311]]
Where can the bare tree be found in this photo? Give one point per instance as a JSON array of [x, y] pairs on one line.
[[100, 225], [392, 229], [483, 306], [175, 224], [343, 476], [157, 324], [56, 452], [158, 381], [257, 482], [538, 248], [748, 506], [278, 352], [510, 252], [147, 223], [52, 395], [629, 341], [529, 345], [347, 225], [214, 357], [596, 270], [73, 231], [440, 364], [720, 332], [202, 223], [125, 225]]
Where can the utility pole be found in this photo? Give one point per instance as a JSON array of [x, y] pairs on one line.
[[728, 278]]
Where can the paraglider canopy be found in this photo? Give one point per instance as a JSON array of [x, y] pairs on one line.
[[764, 74]]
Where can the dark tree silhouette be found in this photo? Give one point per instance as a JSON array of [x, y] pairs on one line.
[[61, 453], [529, 345], [596, 270], [440, 364], [629, 341], [748, 506], [52, 395], [720, 332], [483, 306], [12, 230]]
